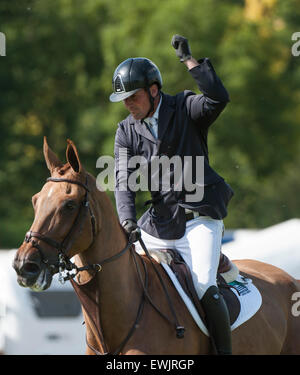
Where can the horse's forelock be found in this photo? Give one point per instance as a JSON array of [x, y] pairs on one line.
[[67, 172], [64, 169]]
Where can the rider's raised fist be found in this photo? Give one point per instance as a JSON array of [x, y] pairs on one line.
[[182, 47]]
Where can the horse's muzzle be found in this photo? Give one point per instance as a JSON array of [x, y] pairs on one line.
[[32, 273]]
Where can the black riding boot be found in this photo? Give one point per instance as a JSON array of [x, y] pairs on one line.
[[218, 321]]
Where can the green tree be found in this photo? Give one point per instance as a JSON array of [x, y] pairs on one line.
[[56, 80]]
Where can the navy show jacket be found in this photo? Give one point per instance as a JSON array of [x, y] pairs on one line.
[[183, 124]]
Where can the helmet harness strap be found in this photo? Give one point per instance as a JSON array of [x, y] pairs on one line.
[[151, 100]]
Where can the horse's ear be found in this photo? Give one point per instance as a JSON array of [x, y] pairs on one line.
[[52, 160], [72, 157]]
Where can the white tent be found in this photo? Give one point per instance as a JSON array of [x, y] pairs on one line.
[[278, 245]]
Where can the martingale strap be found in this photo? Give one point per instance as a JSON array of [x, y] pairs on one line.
[[90, 300]]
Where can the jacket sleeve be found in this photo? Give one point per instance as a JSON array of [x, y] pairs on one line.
[[206, 107], [125, 198]]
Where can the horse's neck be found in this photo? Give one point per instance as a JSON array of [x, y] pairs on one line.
[[109, 241], [117, 286]]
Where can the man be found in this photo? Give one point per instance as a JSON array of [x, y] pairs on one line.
[[164, 125]]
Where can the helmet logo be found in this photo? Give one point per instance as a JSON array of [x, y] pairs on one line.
[[118, 84]]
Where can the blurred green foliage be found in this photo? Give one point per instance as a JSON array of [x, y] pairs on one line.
[[56, 79]]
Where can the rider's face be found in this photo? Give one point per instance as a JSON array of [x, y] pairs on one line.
[[138, 104]]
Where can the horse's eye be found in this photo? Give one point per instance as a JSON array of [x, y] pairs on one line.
[[70, 205]]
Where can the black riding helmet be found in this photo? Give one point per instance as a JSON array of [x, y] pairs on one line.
[[134, 74]]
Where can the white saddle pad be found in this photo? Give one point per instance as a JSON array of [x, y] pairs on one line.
[[249, 297]]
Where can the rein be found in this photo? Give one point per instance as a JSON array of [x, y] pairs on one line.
[[64, 264]]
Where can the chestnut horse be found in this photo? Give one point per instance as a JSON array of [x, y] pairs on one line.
[[75, 219]]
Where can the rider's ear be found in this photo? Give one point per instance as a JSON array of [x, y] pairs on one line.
[[154, 91], [52, 160], [72, 157]]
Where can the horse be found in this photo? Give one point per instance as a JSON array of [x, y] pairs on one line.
[[76, 220]]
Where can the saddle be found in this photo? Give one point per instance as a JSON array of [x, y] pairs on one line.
[[225, 274]]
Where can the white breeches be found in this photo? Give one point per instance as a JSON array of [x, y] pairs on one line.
[[200, 247]]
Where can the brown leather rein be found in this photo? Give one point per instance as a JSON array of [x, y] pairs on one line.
[[64, 264]]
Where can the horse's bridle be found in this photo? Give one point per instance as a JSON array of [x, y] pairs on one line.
[[63, 247], [64, 263]]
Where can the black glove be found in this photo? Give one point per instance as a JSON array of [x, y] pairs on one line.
[[132, 229], [182, 47]]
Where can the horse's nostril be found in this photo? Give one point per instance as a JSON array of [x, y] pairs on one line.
[[30, 268]]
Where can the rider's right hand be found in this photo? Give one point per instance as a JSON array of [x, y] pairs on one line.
[[132, 229], [182, 48]]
